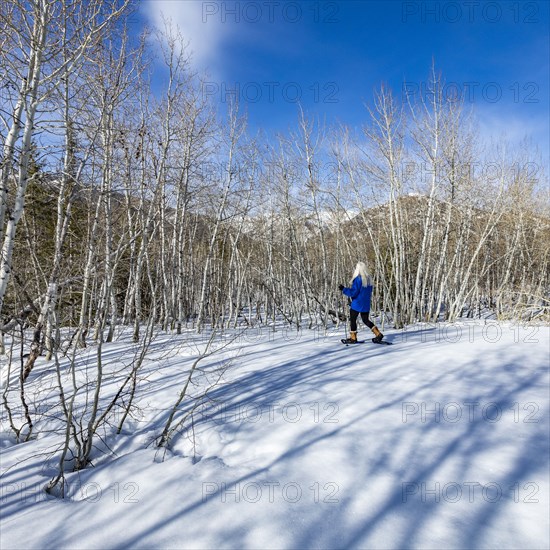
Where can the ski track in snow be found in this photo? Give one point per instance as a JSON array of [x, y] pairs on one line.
[[439, 441]]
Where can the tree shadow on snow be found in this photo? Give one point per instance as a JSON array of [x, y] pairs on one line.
[[396, 465]]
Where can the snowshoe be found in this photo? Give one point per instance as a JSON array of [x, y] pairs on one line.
[[380, 341]]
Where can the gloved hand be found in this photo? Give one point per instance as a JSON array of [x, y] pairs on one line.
[[341, 287]]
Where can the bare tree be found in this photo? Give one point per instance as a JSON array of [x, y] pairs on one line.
[[39, 38]]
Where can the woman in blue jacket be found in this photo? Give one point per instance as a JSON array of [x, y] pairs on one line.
[[360, 292]]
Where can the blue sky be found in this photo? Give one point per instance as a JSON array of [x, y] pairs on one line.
[[333, 55]]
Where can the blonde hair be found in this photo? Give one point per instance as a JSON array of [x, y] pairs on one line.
[[361, 270]]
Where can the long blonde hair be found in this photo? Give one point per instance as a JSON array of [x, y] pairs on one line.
[[361, 270]]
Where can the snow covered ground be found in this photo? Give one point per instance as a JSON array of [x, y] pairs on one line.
[[439, 441]]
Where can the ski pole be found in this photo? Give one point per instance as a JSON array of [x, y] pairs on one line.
[[345, 322]]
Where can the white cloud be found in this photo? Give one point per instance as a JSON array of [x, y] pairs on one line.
[[200, 22], [515, 127]]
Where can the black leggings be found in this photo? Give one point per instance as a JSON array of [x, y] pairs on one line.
[[353, 319]]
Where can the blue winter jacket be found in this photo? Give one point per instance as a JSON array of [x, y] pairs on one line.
[[359, 294]]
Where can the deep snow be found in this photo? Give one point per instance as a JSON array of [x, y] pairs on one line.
[[439, 441]]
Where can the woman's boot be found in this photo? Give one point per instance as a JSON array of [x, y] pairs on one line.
[[352, 338], [377, 335]]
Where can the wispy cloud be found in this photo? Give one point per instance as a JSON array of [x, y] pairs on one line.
[[522, 137], [200, 24], [515, 127]]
